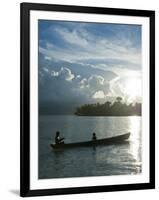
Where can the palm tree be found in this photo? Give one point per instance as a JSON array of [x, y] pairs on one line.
[[108, 103], [119, 99]]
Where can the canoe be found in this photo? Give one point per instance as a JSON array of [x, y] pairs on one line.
[[106, 141]]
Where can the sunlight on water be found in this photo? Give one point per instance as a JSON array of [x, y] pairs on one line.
[[135, 138], [135, 126]]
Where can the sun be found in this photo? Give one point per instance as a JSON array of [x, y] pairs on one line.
[[132, 88]]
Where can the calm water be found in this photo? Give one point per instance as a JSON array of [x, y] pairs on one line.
[[86, 161]]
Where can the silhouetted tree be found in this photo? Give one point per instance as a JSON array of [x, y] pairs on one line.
[[119, 99]]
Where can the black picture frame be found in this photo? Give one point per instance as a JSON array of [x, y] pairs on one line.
[[25, 9]]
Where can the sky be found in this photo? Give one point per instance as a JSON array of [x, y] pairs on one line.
[[82, 63]]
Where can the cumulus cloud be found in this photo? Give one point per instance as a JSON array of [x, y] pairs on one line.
[[99, 95], [96, 80], [64, 90], [65, 73], [96, 83], [63, 87]]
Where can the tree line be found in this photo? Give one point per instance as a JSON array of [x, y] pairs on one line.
[[118, 108]]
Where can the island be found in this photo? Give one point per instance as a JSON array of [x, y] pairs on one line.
[[117, 108]]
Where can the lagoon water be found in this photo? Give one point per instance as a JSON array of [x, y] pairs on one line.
[[87, 161]]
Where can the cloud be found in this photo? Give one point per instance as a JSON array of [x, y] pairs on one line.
[[64, 73], [47, 58], [127, 87], [67, 90], [96, 81], [78, 69], [72, 37], [99, 95], [81, 44]]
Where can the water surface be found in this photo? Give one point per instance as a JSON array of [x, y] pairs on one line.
[[87, 161]]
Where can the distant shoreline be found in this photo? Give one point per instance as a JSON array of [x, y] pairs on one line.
[[117, 108], [72, 114], [107, 115]]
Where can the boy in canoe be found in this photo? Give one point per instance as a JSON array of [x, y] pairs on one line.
[[94, 137], [58, 140]]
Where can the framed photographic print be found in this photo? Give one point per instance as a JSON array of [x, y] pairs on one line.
[[87, 99]]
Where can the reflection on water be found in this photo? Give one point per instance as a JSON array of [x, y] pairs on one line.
[[135, 138], [87, 161]]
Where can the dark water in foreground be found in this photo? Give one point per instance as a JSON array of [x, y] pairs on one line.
[[86, 161]]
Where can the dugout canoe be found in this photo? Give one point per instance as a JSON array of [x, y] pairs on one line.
[[105, 141]]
